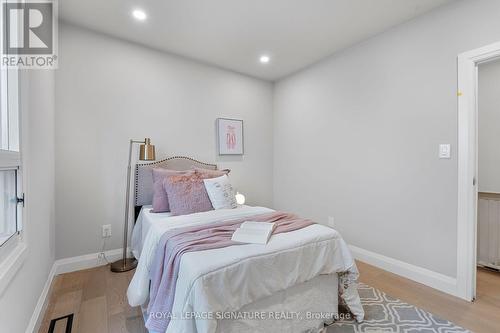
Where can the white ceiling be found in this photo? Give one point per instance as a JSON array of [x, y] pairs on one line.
[[233, 33]]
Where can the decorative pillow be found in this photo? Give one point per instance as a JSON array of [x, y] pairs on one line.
[[160, 198], [186, 193], [221, 192]]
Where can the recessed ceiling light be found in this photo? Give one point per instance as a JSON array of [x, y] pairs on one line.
[[139, 14], [264, 59]]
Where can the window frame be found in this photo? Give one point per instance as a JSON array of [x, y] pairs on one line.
[[14, 251], [15, 245]]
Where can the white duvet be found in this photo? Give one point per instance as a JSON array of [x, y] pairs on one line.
[[227, 279]]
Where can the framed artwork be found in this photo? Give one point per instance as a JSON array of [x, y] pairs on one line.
[[230, 136]]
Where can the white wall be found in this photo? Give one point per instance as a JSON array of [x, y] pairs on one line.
[[356, 136], [37, 107], [489, 127], [108, 91]]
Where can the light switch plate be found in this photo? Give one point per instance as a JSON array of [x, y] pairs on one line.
[[445, 150]]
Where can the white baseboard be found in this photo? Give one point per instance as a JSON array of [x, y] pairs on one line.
[[66, 265], [425, 276], [86, 261], [41, 305], [488, 265]]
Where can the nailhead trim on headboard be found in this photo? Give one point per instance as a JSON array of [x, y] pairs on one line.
[[178, 158]]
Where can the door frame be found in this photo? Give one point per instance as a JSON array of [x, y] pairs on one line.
[[467, 165]]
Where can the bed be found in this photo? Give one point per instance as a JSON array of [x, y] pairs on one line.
[[289, 285]]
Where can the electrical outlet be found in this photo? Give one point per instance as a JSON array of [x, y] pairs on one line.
[[106, 231], [331, 221]]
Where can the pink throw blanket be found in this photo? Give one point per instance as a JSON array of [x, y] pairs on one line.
[[173, 244]]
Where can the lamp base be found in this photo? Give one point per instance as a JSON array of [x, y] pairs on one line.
[[123, 265]]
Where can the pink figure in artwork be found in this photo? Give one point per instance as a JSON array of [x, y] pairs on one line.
[[230, 137]]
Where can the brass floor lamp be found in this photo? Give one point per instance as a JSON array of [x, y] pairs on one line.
[[146, 153]]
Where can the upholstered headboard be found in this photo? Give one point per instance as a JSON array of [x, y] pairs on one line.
[[144, 176]]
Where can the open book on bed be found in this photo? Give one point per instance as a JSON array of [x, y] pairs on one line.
[[253, 232]]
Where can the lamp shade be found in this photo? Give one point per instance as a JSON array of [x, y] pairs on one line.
[[147, 151]]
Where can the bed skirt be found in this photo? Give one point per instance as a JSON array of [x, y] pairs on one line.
[[305, 307]]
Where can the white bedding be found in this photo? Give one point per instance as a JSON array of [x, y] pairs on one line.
[[151, 226], [227, 279], [144, 222]]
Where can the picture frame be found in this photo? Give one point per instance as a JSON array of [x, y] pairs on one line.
[[230, 138]]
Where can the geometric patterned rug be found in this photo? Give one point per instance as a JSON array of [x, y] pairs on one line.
[[386, 314]]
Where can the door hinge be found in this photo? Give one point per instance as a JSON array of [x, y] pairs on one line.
[[474, 181], [20, 200]]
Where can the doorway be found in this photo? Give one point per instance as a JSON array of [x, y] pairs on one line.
[[488, 172], [488, 180], [468, 151]]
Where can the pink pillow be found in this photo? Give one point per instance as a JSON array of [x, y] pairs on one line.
[[160, 198], [187, 194]]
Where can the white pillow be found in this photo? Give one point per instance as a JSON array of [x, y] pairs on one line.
[[221, 192]]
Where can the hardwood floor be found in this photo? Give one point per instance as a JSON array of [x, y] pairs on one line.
[[97, 297]]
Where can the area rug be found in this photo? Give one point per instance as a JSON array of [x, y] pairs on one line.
[[386, 314]]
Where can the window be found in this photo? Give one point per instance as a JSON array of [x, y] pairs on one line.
[[10, 156]]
